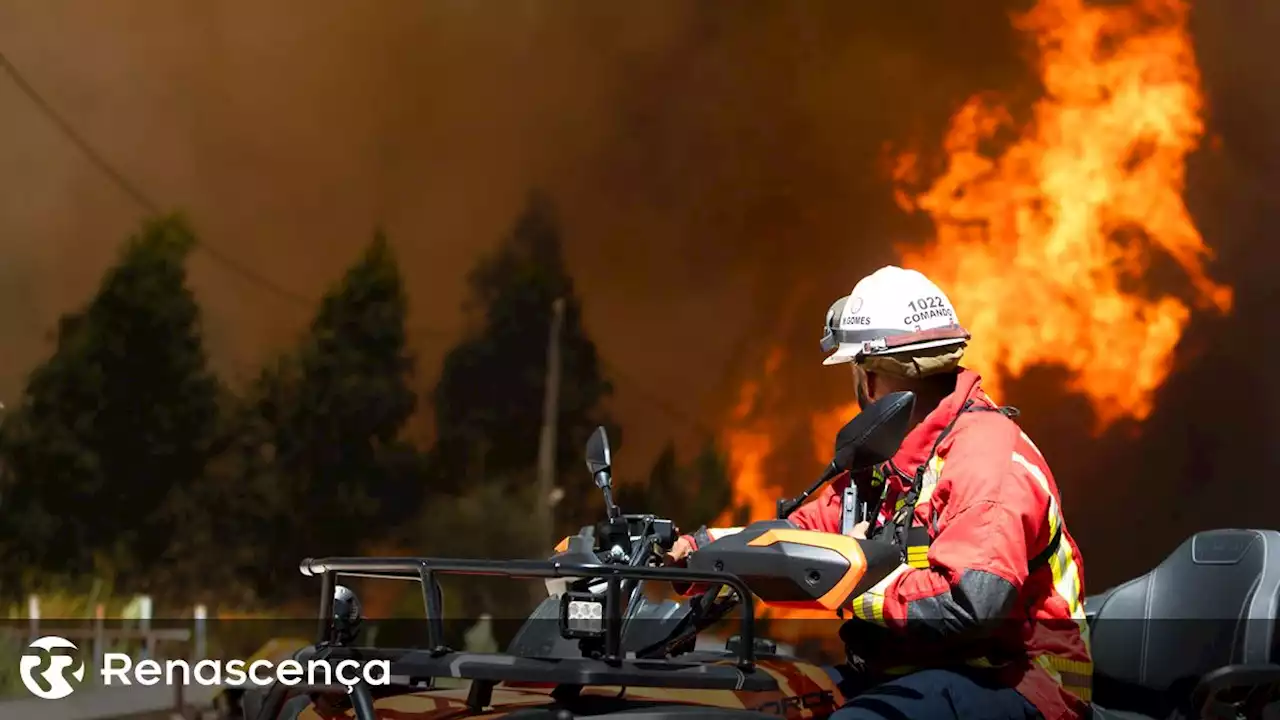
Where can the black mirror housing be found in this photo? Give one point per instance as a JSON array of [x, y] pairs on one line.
[[599, 459], [874, 435]]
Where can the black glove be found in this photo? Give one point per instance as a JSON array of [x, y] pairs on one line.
[[867, 643]]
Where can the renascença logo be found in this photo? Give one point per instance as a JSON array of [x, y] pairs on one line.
[[45, 673]]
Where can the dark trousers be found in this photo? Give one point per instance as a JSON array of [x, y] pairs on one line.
[[938, 695]]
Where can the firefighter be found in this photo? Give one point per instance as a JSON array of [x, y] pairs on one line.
[[985, 616]]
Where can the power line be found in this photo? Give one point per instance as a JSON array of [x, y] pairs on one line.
[[133, 191], [669, 409], [143, 200], [150, 205]]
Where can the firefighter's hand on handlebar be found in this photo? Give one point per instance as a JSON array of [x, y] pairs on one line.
[[860, 530], [678, 552]]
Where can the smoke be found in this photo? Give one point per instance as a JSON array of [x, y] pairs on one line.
[[716, 164]]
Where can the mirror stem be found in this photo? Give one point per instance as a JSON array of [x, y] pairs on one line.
[[786, 507], [604, 481]]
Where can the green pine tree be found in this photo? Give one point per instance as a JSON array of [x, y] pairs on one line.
[[489, 399], [339, 450], [710, 487], [120, 418], [315, 463], [692, 494]]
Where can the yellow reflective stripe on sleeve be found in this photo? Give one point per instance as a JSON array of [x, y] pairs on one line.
[[869, 606], [1075, 676], [1067, 665], [918, 556], [1043, 662], [1066, 573]]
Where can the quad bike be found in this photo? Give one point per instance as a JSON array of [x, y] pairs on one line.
[[599, 647]]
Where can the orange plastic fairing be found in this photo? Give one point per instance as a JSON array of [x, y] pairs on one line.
[[848, 547], [564, 545]]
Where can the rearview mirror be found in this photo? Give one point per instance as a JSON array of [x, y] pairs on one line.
[[873, 435], [598, 460]]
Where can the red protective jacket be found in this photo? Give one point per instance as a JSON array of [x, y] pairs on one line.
[[993, 578]]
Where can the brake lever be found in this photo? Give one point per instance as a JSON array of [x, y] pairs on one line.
[[707, 609], [644, 552], [639, 553]]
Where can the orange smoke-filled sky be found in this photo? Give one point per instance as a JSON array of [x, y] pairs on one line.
[[704, 157]]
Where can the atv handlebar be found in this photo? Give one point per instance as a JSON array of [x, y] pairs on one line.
[[427, 570]]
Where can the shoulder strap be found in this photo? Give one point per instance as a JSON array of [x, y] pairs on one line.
[[896, 528], [1042, 558]]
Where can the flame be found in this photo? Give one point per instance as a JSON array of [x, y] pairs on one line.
[[1043, 248], [748, 444], [825, 426]]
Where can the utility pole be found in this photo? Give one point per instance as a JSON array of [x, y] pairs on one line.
[[547, 444]]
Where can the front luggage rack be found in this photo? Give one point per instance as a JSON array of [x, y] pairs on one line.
[[426, 571]]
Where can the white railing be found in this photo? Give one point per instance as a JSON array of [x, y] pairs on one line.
[[93, 702]]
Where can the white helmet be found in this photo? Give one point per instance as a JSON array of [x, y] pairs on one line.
[[890, 311]]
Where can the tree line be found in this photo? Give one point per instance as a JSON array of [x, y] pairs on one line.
[[128, 460]]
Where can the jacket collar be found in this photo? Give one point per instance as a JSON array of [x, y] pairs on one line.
[[918, 445]]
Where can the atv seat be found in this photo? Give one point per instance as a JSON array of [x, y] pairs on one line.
[[1213, 602]]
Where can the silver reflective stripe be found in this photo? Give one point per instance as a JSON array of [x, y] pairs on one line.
[[851, 337]]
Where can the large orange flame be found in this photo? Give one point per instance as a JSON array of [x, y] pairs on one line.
[[1043, 248], [749, 444]]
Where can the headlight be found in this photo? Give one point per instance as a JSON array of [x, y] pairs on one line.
[[347, 615], [581, 615]]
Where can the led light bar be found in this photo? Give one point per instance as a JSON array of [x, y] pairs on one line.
[[582, 615]]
